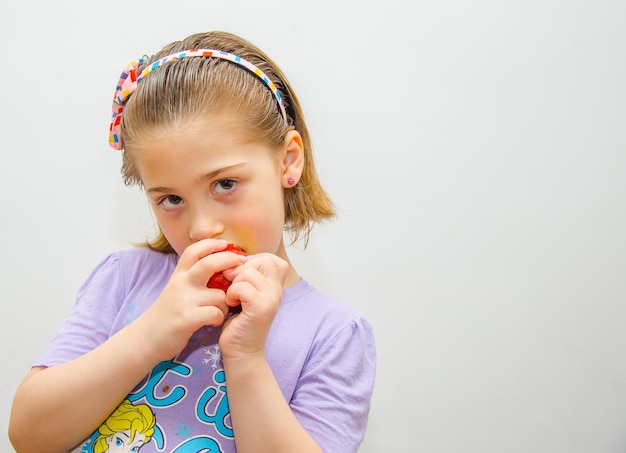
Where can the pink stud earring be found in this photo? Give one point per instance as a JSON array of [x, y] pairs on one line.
[[291, 181]]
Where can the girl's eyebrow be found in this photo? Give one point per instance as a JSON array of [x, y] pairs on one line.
[[198, 180], [215, 173]]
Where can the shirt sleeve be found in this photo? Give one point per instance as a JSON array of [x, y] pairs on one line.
[[332, 398], [89, 322]]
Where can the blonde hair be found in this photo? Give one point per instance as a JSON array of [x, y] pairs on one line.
[[136, 419], [193, 88]]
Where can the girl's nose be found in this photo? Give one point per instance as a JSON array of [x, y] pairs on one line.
[[203, 226]]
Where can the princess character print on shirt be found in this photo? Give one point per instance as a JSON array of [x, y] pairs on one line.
[[180, 407], [126, 430]]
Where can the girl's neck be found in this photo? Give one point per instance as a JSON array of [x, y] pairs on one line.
[[292, 276]]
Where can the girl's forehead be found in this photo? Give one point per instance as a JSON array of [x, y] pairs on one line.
[[197, 147], [224, 126]]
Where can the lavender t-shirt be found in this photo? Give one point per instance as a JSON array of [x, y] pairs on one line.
[[321, 351]]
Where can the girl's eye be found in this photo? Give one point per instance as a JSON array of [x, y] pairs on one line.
[[119, 443], [224, 186], [171, 201]]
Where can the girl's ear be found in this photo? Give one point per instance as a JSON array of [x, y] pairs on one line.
[[292, 159]]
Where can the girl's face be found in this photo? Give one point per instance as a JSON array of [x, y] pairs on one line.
[[206, 179]]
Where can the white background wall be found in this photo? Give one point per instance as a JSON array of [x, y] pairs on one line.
[[476, 151]]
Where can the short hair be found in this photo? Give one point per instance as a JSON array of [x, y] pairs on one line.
[[127, 417], [192, 88]]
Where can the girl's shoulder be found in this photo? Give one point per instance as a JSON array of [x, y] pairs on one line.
[[305, 309], [132, 267], [311, 302], [143, 256], [138, 259]]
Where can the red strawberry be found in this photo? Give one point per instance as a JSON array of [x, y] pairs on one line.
[[218, 280]]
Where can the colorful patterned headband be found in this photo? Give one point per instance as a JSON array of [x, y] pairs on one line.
[[129, 80]]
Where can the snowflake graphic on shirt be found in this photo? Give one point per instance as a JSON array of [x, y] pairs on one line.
[[214, 356], [184, 431]]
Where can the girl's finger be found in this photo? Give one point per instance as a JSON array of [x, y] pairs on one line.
[[205, 267], [212, 315], [268, 265], [198, 250]]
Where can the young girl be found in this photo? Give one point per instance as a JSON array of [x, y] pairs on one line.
[[212, 131]]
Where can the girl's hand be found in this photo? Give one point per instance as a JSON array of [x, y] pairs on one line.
[[258, 287], [186, 304]]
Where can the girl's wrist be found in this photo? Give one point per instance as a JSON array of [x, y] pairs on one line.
[[245, 365], [147, 355]]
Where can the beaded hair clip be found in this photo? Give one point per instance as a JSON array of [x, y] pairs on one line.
[[129, 80]]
